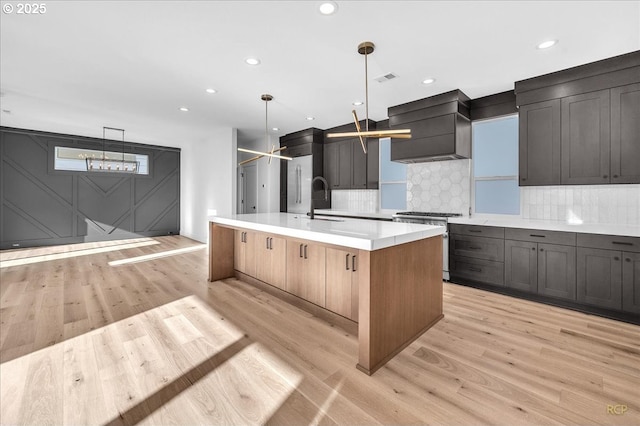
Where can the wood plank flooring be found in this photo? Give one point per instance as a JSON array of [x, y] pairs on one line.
[[83, 341]]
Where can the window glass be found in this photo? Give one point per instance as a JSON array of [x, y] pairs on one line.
[[393, 180], [495, 166]]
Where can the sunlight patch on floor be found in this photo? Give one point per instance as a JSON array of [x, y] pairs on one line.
[[27, 260], [159, 255]]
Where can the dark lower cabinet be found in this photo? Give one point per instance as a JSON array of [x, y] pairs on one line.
[[521, 265], [631, 282], [479, 270], [557, 271], [599, 277]]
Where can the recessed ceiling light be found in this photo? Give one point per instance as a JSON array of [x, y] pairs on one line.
[[211, 90], [252, 61], [547, 44], [310, 118], [275, 129], [428, 80], [328, 8], [357, 103], [184, 109]]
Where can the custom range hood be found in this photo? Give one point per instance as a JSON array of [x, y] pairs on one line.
[[440, 128]]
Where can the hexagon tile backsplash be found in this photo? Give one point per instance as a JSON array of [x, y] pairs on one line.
[[439, 186]]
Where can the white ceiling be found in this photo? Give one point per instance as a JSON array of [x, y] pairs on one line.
[[131, 64]]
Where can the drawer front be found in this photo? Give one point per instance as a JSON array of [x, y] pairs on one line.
[[477, 247], [609, 242], [539, 236], [484, 271], [476, 230]]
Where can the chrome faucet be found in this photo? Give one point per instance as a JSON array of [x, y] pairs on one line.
[[326, 192]]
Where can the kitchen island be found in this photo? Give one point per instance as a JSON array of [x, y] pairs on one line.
[[385, 276]]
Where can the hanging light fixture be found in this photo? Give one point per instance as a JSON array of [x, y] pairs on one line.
[[366, 48], [109, 162], [271, 150]]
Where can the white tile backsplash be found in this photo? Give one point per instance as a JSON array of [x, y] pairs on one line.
[[587, 203], [355, 200], [440, 186]]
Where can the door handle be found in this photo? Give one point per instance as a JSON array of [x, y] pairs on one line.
[[353, 263], [347, 262]]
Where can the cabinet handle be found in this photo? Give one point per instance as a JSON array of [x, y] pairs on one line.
[[533, 248], [615, 176], [300, 250], [475, 248], [475, 230], [541, 249], [627, 259], [474, 269], [244, 237], [267, 240], [604, 176], [347, 262], [270, 243], [523, 179], [622, 243], [616, 258], [305, 251], [537, 235], [353, 263]]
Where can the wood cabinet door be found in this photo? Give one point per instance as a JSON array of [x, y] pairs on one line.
[[625, 134], [599, 277], [251, 241], [631, 282], [294, 283], [278, 262], [521, 265], [557, 271], [586, 138], [239, 251], [539, 140], [339, 281], [358, 165], [314, 260], [263, 258]]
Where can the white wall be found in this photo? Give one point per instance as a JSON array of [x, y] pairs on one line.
[[207, 181]]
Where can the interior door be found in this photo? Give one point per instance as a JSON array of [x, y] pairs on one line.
[[249, 176]]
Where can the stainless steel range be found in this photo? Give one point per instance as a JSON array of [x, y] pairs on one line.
[[436, 219]]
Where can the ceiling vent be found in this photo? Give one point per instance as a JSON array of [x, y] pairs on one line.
[[385, 77]]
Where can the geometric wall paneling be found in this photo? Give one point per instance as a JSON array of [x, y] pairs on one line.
[[43, 206]]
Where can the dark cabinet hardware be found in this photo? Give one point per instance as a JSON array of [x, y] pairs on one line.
[[353, 263], [533, 248], [474, 269], [301, 250], [627, 260], [541, 249], [605, 177], [615, 176], [270, 243], [475, 248], [475, 230], [267, 240], [347, 262], [536, 235], [616, 258], [523, 179], [305, 251], [622, 243]]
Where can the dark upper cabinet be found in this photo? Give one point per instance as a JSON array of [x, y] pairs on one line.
[[440, 128], [586, 138], [599, 277], [539, 139], [625, 134], [346, 166], [599, 124], [631, 282]]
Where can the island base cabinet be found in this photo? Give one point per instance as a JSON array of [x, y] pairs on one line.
[[400, 297], [342, 282], [244, 252], [557, 271], [631, 282], [306, 271], [600, 277]]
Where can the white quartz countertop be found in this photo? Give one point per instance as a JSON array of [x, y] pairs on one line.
[[353, 233], [552, 225], [365, 215]]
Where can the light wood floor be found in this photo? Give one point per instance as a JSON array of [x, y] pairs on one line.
[[86, 342]]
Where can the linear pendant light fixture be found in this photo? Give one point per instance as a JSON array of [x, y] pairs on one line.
[[107, 164], [270, 152], [366, 48]]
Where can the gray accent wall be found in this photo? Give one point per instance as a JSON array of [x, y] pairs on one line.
[[42, 206]]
